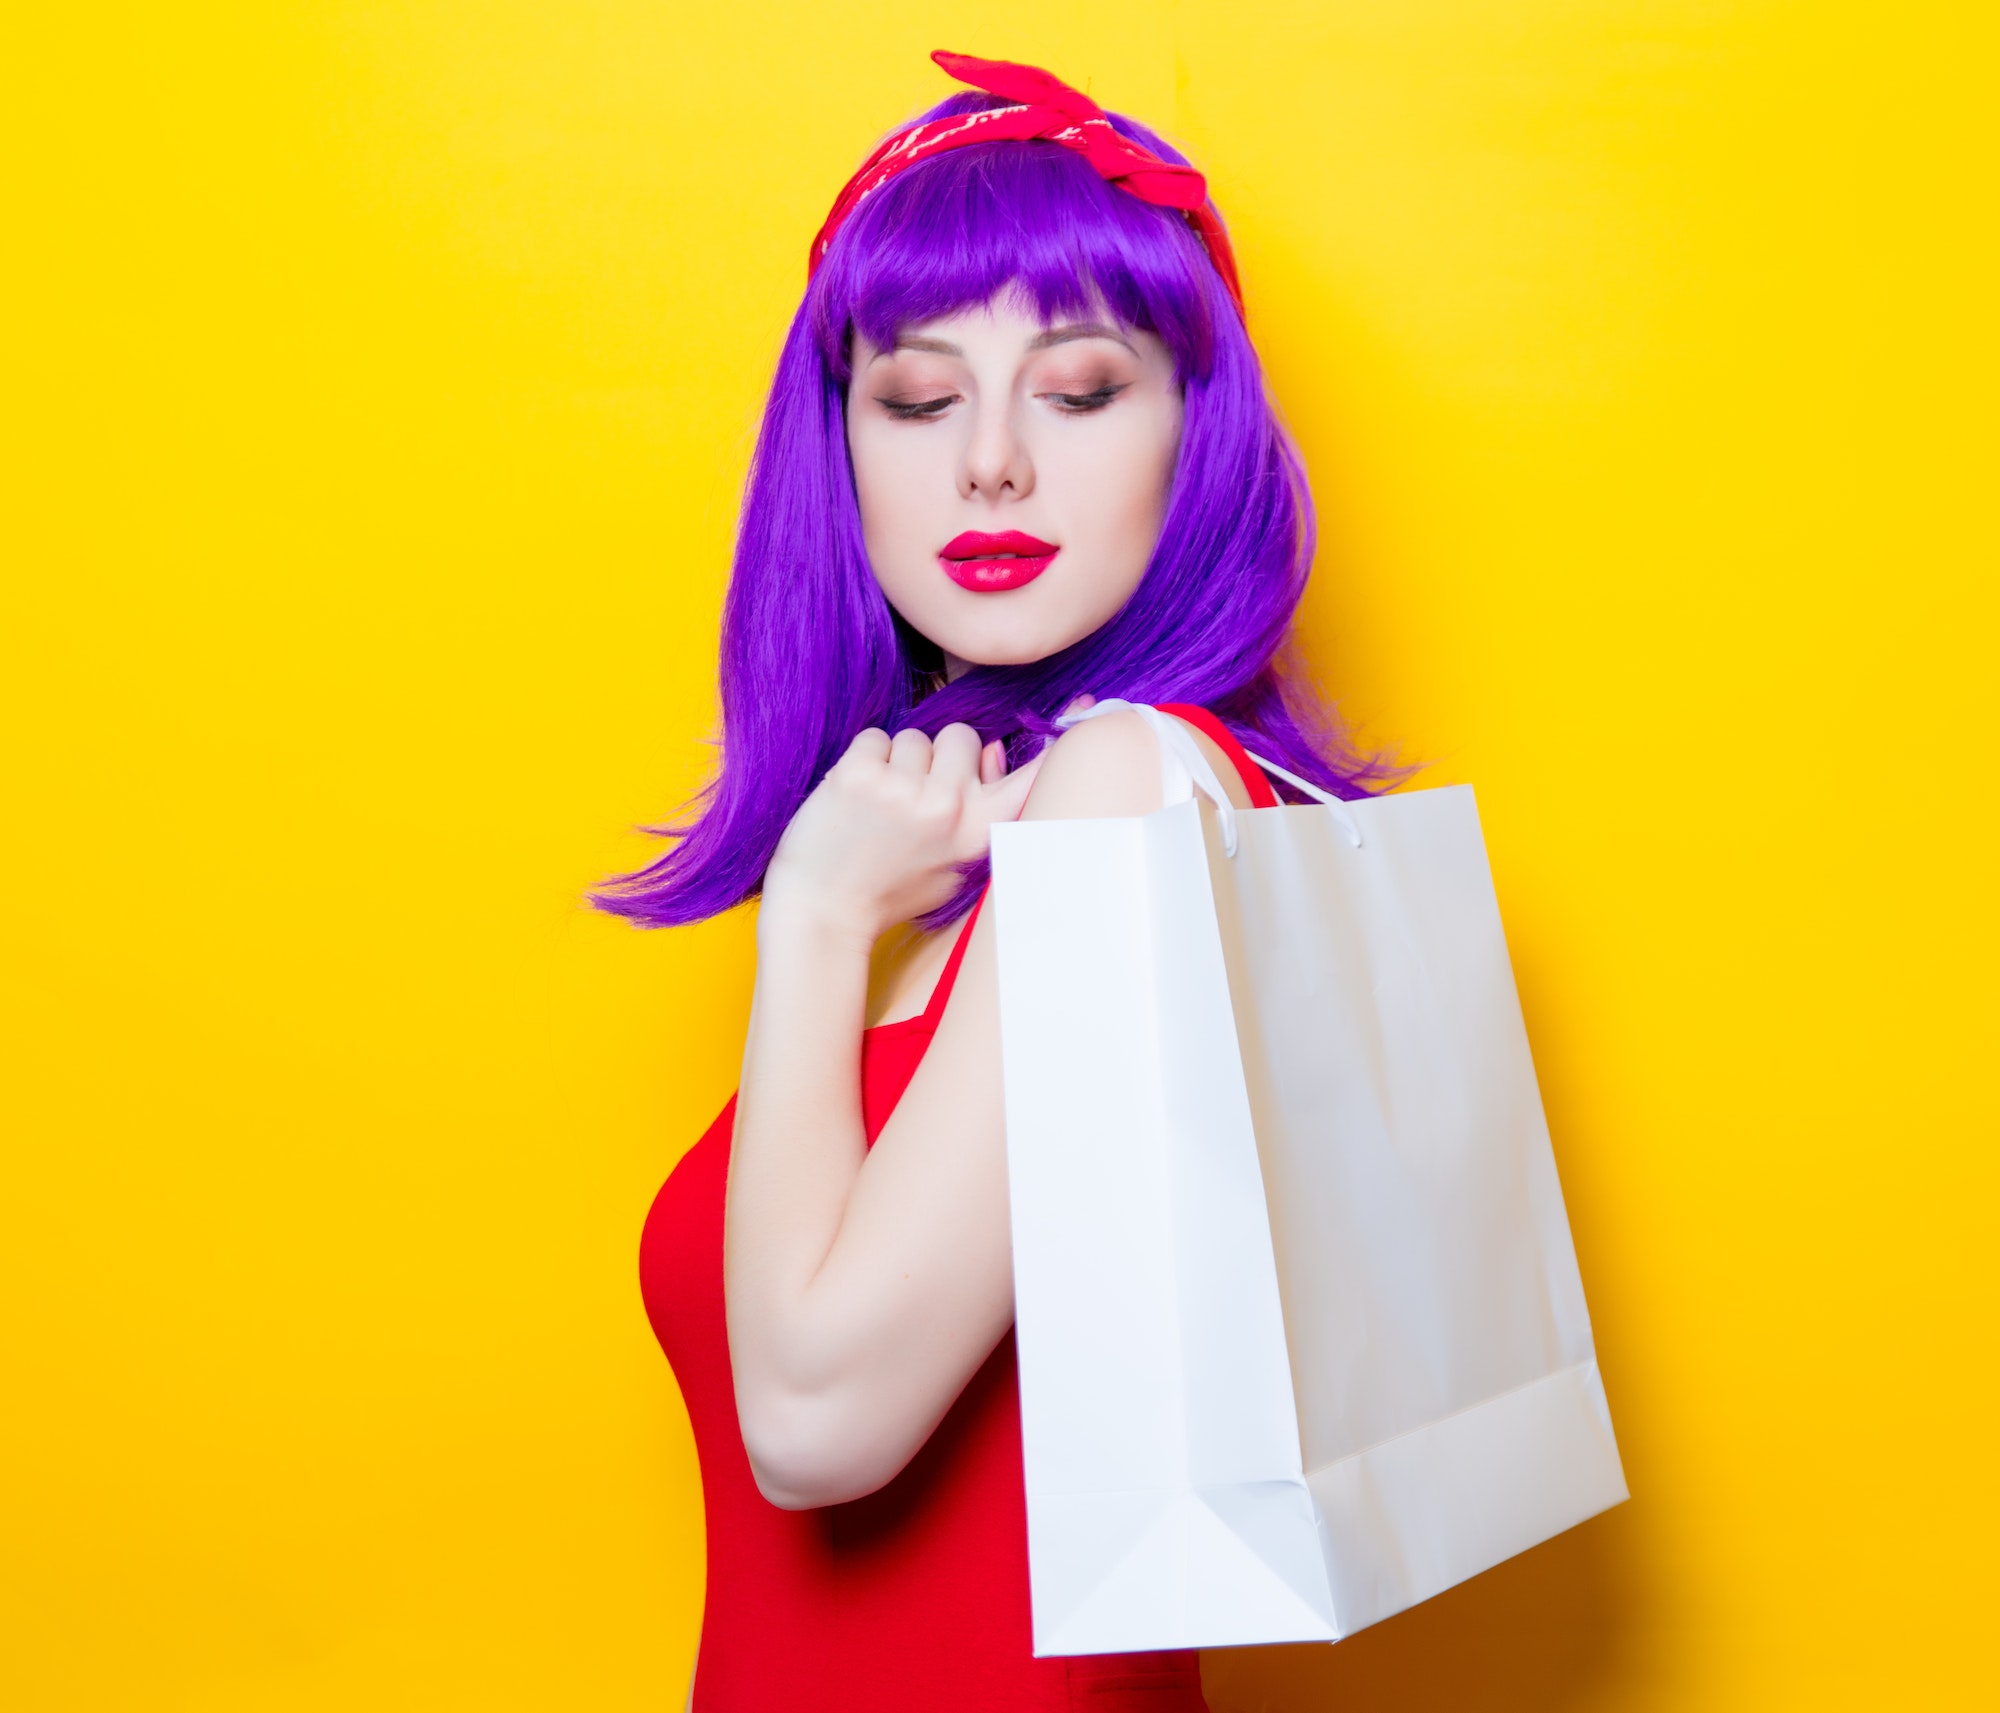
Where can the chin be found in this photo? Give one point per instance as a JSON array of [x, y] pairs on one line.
[[990, 650], [1007, 630]]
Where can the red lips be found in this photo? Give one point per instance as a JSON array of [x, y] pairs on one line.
[[991, 564]]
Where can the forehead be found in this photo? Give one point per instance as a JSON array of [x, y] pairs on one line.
[[1002, 325]]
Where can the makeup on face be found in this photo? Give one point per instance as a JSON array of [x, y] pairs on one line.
[[992, 564]]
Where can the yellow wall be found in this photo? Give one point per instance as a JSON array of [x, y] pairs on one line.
[[379, 377]]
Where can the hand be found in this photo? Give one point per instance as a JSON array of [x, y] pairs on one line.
[[883, 837]]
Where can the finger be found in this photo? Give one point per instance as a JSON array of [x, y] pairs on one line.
[[910, 752], [871, 745], [992, 762], [1077, 704], [955, 754], [1006, 798]]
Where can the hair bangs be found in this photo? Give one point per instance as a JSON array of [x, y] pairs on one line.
[[1033, 219]]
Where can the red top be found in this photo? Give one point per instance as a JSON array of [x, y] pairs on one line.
[[915, 1598]]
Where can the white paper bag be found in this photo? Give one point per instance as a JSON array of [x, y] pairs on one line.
[[1302, 1340]]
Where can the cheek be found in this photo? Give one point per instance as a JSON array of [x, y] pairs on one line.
[[1162, 454], [893, 479], [1125, 474], [872, 480]]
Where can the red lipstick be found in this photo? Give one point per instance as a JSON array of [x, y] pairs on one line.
[[991, 564]]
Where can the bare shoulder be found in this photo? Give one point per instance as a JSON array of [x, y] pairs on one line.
[[1106, 766]]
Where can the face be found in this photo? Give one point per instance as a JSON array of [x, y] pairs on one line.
[[1012, 475]]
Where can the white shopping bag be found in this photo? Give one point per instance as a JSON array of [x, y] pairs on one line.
[[1302, 1340]]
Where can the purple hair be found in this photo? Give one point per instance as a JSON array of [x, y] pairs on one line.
[[812, 652]]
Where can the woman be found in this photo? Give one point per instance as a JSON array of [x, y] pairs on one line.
[[1017, 456]]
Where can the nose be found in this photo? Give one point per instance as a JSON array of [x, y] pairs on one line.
[[995, 464]]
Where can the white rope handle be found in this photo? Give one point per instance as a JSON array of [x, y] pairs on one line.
[[1183, 766], [1343, 817]]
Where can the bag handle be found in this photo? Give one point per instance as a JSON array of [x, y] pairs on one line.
[[1343, 817], [1184, 767], [1206, 725]]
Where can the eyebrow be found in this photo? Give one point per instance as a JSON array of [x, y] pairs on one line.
[[1078, 330], [1041, 342]]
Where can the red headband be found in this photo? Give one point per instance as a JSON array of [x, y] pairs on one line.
[[1049, 111]]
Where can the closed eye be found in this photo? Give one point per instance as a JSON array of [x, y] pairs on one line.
[[1082, 404], [917, 410]]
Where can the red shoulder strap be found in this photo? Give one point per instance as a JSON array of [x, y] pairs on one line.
[[1254, 782], [942, 992]]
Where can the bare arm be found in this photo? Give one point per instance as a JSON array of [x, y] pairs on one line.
[[864, 1288]]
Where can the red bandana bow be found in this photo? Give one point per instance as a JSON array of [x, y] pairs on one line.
[[1048, 111]]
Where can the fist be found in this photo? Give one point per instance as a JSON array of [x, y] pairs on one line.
[[885, 835]]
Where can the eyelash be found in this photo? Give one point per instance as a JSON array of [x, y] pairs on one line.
[[1082, 404], [1071, 404], [922, 411]]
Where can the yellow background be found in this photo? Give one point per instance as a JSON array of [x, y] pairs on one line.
[[380, 374]]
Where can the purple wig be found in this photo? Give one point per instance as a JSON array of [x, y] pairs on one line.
[[812, 652]]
